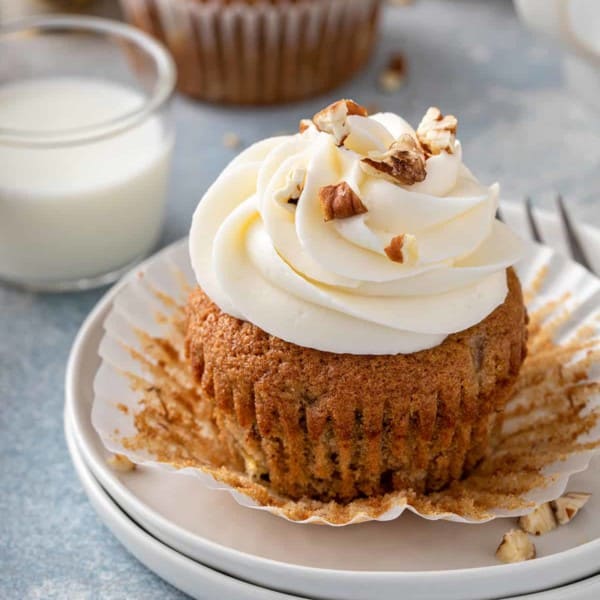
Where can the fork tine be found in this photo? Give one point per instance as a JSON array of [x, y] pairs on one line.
[[572, 239], [499, 214], [533, 228]]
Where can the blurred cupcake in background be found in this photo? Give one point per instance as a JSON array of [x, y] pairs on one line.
[[260, 51]]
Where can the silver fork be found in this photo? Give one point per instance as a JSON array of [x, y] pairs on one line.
[[572, 239]]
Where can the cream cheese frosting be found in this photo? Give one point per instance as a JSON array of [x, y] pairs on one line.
[[263, 251]]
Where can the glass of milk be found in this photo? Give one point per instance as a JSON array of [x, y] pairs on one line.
[[85, 147]]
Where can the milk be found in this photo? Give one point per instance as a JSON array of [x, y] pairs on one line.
[[81, 210]]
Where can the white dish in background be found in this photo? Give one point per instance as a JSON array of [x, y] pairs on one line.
[[361, 561]]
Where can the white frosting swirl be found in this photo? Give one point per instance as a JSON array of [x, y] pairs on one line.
[[330, 285]]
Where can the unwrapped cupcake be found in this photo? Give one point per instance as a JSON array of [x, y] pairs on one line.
[[358, 327], [260, 51]]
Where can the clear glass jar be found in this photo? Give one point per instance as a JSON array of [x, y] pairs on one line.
[[85, 148]]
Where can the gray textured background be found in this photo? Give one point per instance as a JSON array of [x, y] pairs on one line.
[[518, 124]]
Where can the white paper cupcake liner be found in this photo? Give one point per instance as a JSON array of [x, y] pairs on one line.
[[263, 52], [568, 300]]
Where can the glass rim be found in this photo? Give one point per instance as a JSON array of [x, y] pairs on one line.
[[158, 96]]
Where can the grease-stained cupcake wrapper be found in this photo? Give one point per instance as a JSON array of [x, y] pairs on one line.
[[262, 52], [552, 424]]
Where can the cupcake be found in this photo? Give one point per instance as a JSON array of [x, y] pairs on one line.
[[358, 327], [260, 51]]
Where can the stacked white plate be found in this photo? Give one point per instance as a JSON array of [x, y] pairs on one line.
[[205, 544]]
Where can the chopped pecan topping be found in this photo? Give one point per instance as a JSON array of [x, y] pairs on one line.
[[304, 125], [567, 506], [403, 163], [515, 547], [333, 119], [340, 202], [291, 192], [437, 132], [403, 249]]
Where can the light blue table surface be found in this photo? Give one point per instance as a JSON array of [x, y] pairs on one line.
[[518, 124]]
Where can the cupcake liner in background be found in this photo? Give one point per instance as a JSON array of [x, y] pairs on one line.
[[552, 427], [260, 52]]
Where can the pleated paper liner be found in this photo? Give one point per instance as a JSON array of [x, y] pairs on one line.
[[263, 51], [148, 406]]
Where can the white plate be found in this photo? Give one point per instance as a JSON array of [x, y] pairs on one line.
[[370, 560], [201, 582], [185, 574], [588, 589]]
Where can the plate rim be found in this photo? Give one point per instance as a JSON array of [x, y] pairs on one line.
[[526, 570], [93, 487]]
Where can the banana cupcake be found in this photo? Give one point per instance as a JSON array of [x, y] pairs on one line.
[[358, 327], [260, 51]]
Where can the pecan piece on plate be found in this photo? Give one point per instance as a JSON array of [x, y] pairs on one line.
[[515, 547]]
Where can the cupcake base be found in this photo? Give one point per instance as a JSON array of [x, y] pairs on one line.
[[339, 427], [261, 51]]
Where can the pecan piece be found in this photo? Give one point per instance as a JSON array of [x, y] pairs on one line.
[[333, 119], [403, 249], [292, 190], [539, 521], [340, 202], [436, 132], [304, 125], [403, 162], [515, 547], [567, 506]]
